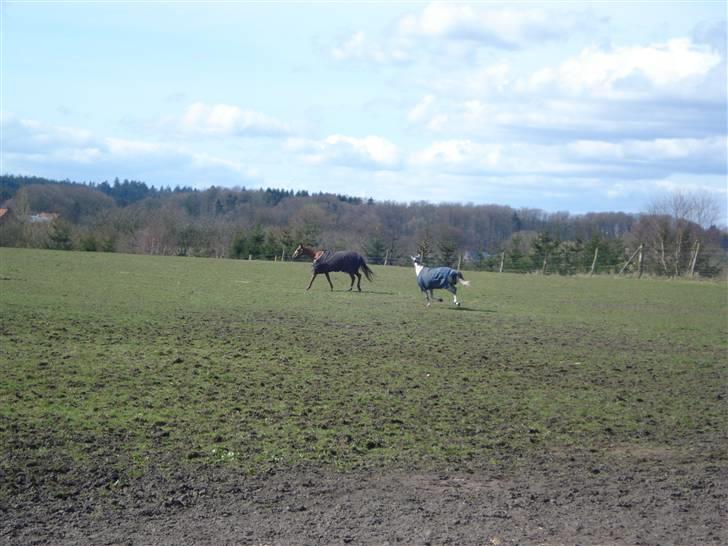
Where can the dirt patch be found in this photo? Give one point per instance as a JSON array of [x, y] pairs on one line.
[[573, 500]]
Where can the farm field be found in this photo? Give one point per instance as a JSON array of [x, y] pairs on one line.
[[178, 400]]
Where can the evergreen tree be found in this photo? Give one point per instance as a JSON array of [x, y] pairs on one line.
[[239, 248], [256, 242], [60, 235], [542, 248], [424, 247], [375, 250], [447, 252]]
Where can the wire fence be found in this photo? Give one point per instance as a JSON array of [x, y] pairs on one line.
[[708, 263], [688, 260]]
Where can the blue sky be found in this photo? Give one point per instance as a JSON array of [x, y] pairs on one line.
[[577, 106]]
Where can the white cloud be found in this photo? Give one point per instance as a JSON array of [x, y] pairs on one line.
[[683, 155], [458, 154], [668, 90], [227, 120], [23, 135], [495, 27], [582, 159], [371, 152], [457, 30], [631, 71], [65, 152], [359, 48], [421, 109]]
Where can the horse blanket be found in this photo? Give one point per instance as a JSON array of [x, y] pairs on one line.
[[346, 261], [436, 277]]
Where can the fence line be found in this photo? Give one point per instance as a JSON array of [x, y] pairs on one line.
[[700, 263]]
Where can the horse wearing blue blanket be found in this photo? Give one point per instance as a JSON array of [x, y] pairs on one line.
[[430, 278], [325, 261]]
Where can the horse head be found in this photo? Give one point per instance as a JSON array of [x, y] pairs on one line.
[[298, 251], [417, 259]]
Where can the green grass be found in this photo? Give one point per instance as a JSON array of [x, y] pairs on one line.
[[138, 360]]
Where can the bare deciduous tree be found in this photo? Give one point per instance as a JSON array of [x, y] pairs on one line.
[[674, 225]]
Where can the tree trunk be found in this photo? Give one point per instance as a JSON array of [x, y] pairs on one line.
[[678, 251], [662, 255]]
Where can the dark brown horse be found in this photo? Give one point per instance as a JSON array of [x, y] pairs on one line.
[[325, 261]]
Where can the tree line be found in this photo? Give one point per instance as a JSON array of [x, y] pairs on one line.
[[676, 235]]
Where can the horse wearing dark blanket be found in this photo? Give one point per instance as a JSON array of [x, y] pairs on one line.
[[325, 261], [430, 278]]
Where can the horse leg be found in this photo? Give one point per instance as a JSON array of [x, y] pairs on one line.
[[454, 292], [313, 276], [330, 283], [427, 297], [358, 281], [352, 281], [432, 296]]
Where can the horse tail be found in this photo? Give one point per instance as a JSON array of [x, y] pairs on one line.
[[462, 279], [368, 273]]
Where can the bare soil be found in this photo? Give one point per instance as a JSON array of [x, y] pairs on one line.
[[638, 497]]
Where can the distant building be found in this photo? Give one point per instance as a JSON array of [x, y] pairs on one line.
[[42, 217]]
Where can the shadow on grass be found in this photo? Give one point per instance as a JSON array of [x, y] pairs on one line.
[[355, 291], [471, 310]]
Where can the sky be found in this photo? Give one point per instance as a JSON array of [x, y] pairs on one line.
[[561, 106]]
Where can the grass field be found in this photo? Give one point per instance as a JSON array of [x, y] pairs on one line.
[[129, 361]]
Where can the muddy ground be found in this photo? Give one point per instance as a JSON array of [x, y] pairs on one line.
[[650, 497]]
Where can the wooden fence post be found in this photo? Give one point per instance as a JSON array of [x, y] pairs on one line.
[[639, 249], [503, 259], [695, 259], [639, 264], [594, 261]]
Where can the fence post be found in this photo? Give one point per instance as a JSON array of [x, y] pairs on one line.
[[639, 263], [695, 259], [386, 257], [503, 259], [594, 262], [639, 249], [460, 259]]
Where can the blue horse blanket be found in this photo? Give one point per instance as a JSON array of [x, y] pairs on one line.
[[346, 261], [437, 277]]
